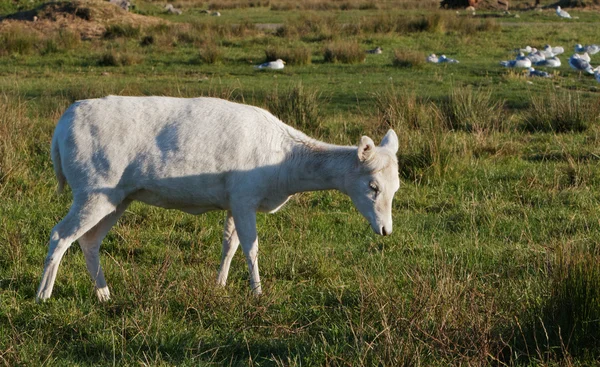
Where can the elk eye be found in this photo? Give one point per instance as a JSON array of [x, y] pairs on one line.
[[374, 187]]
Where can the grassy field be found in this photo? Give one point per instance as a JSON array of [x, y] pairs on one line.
[[495, 256]]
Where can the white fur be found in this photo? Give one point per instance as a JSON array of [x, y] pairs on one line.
[[198, 155]]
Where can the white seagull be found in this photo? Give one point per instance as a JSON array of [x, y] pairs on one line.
[[578, 63], [443, 58], [561, 13], [527, 49], [550, 51], [432, 58], [585, 56], [272, 65], [536, 56], [590, 49], [520, 62], [552, 62]]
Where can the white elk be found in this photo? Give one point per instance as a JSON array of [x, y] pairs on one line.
[[199, 155]]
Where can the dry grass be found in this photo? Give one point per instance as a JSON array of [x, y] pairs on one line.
[[297, 106], [426, 151], [211, 53], [432, 22], [19, 39], [346, 52], [473, 110], [291, 54], [311, 27], [12, 129], [560, 111], [119, 58], [121, 30], [403, 111], [324, 5], [408, 59]]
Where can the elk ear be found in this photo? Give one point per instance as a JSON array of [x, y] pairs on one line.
[[366, 148], [390, 141]]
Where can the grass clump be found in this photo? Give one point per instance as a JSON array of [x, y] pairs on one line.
[[62, 40], [574, 305], [18, 40], [210, 53], [121, 31], [346, 52], [420, 131], [560, 112], [435, 23], [294, 55], [402, 111], [472, 110], [408, 59], [12, 135], [566, 324], [297, 106]]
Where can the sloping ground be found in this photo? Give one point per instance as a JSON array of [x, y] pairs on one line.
[[88, 18], [479, 4], [519, 4]]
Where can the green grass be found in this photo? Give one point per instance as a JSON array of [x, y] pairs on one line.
[[494, 257]]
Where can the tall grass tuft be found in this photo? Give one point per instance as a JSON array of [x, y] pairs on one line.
[[428, 155], [210, 53], [68, 40], [13, 133], [403, 111], [62, 40], [297, 106], [346, 52], [573, 310], [420, 130], [560, 112], [121, 30], [567, 323], [473, 110], [18, 40], [434, 22], [408, 59], [294, 55]]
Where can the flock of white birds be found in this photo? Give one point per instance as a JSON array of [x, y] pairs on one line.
[[548, 56], [526, 58]]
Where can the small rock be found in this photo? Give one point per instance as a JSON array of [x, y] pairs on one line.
[[123, 4]]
